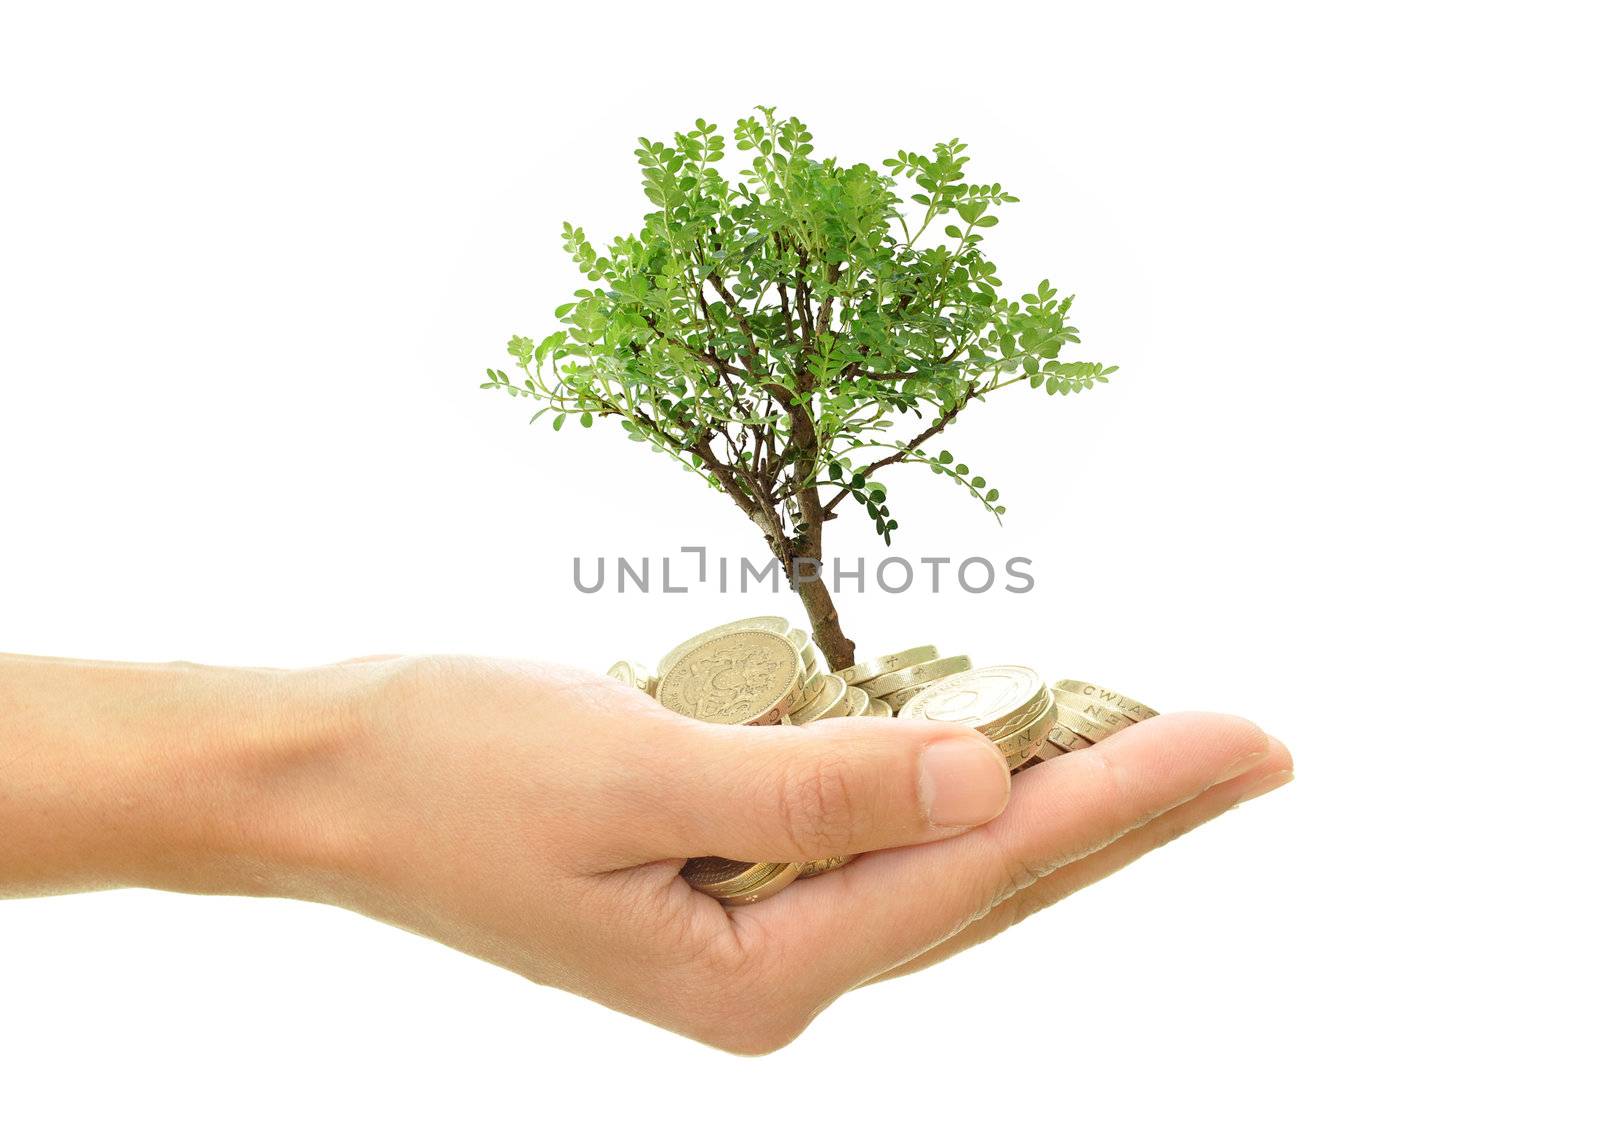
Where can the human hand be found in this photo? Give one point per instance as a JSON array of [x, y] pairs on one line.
[[537, 817]]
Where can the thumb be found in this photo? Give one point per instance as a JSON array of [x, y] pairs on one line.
[[833, 787]]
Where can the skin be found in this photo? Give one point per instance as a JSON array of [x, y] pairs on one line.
[[537, 816]]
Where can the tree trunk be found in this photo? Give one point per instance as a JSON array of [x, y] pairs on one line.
[[836, 647], [798, 557]]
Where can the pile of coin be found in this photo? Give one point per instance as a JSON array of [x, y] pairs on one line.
[[762, 670]]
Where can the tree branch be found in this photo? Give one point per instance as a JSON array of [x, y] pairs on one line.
[[723, 367], [917, 441], [727, 476], [743, 322]]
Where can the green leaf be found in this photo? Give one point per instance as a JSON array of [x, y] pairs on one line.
[[520, 347], [690, 331]]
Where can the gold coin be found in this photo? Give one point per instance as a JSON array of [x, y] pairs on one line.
[[808, 649], [736, 883], [858, 700], [809, 692], [1064, 738], [823, 866], [832, 700], [1048, 750], [768, 622], [888, 663], [1083, 726], [1019, 745], [896, 700], [877, 707], [751, 676], [919, 674], [1093, 709], [634, 675], [1126, 706], [996, 700]]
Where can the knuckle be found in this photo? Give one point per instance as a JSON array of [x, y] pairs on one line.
[[817, 806], [1014, 876], [1027, 904], [1022, 874]]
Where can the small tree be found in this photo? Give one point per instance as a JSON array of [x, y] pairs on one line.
[[771, 333]]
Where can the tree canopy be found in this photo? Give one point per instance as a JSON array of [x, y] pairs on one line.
[[788, 334]]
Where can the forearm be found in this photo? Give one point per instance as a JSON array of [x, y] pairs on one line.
[[173, 776]]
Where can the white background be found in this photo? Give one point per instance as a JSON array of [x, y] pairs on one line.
[[253, 262]]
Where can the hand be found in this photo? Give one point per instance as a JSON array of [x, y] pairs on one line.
[[538, 817]]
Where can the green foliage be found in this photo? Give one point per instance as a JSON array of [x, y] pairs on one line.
[[771, 333]]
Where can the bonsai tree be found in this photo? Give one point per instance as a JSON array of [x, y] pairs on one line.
[[790, 335]]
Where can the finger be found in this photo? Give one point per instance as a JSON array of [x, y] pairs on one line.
[[833, 787], [1273, 772], [889, 906]]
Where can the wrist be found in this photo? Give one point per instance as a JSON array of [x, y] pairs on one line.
[[178, 777], [251, 766]]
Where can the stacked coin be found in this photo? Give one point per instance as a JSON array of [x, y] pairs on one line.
[[757, 671], [827, 696], [1086, 715], [737, 883], [808, 651], [1010, 704], [635, 676], [761, 671], [747, 675], [897, 677]]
